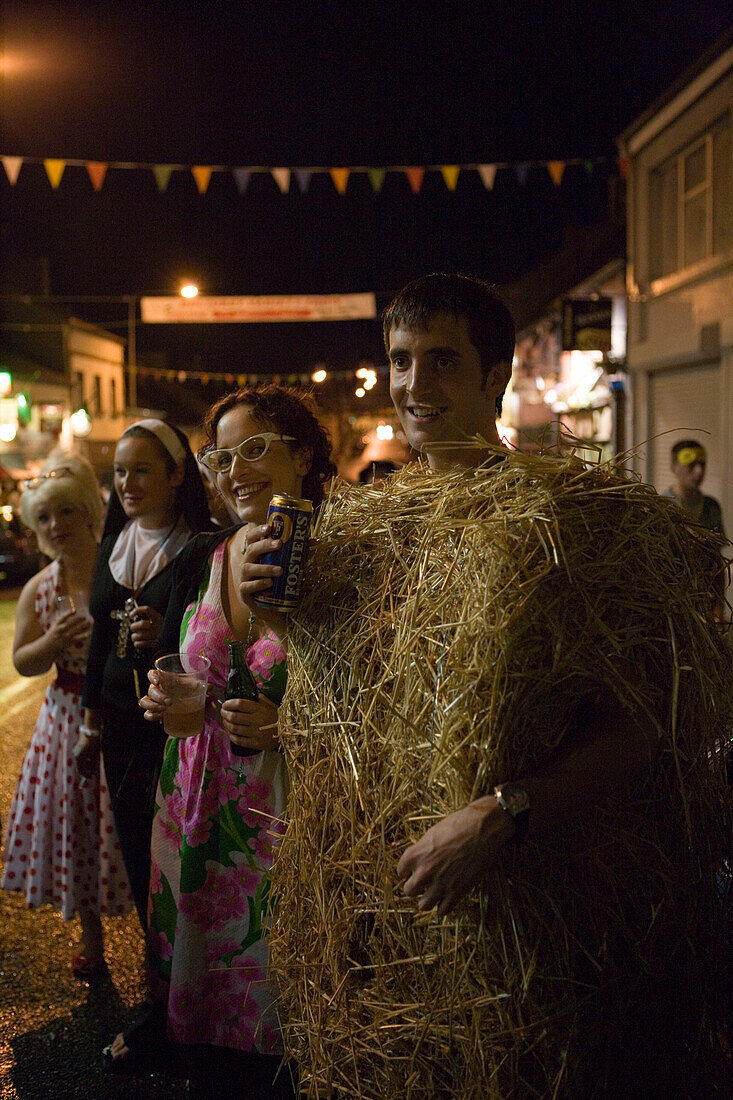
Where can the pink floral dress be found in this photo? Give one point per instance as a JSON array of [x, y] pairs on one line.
[[61, 846], [218, 819]]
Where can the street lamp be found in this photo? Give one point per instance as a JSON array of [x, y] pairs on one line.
[[190, 290], [81, 422]]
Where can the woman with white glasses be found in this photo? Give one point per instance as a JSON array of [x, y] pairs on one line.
[[218, 815], [61, 847]]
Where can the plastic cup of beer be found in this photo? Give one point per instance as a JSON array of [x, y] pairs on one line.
[[183, 678]]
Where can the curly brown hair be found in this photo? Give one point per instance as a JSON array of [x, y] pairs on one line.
[[291, 412]]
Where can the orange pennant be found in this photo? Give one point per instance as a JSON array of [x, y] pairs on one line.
[[556, 168], [202, 175], [449, 172], [340, 177], [415, 177], [54, 171], [12, 166], [282, 179], [97, 171]]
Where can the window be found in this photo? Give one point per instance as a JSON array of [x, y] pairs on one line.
[[113, 396], [97, 394], [689, 196]]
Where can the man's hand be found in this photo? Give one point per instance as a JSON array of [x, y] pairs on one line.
[[455, 855]]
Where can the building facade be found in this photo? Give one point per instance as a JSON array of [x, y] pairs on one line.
[[680, 274]]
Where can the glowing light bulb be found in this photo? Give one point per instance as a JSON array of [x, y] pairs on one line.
[[190, 290], [319, 376], [360, 392]]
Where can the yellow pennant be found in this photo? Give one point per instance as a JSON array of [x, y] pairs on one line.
[[54, 171], [449, 172], [376, 178], [202, 175], [556, 168], [340, 177]]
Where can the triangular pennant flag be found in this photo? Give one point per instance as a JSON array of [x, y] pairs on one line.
[[303, 176], [54, 171], [281, 177], [521, 171], [242, 176], [556, 168], [12, 166], [589, 166], [449, 172], [376, 178], [97, 171], [415, 176], [241, 380], [340, 177], [624, 164], [202, 174], [488, 175], [162, 173]]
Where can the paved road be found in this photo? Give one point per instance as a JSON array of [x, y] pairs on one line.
[[53, 1027]]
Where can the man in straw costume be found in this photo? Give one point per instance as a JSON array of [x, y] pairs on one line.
[[506, 700]]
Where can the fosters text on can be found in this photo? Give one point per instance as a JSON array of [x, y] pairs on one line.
[[288, 519]]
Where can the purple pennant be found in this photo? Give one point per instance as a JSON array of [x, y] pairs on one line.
[[242, 177], [521, 171], [303, 176]]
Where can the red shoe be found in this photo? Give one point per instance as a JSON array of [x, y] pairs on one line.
[[85, 968]]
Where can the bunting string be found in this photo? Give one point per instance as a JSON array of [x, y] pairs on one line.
[[167, 374], [283, 177]]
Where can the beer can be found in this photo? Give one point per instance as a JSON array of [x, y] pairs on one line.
[[289, 519]]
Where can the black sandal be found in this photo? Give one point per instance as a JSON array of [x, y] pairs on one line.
[[146, 1039]]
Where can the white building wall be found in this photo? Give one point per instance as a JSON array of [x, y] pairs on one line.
[[95, 355]]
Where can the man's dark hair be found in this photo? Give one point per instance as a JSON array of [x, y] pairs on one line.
[[490, 324], [681, 444]]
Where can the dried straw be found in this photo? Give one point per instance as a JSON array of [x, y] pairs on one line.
[[451, 626]]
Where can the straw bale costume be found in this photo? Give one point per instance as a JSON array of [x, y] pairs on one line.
[[455, 628]]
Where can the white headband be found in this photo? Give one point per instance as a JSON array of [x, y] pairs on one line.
[[165, 434]]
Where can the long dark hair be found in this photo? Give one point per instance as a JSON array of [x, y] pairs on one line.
[[190, 494], [292, 413]]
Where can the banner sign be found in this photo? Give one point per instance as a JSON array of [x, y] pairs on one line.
[[586, 324], [273, 307]]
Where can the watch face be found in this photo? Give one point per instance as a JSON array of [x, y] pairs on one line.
[[515, 798]]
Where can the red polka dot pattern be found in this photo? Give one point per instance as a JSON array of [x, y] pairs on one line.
[[54, 852]]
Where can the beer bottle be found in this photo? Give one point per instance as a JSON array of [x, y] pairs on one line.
[[240, 685]]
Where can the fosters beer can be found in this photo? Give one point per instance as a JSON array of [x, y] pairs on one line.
[[289, 519]]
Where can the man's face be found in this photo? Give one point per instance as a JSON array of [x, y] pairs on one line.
[[438, 389], [688, 477]]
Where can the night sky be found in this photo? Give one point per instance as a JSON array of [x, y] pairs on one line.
[[315, 85]]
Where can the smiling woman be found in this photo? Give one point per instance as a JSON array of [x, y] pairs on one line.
[[158, 503], [218, 815], [83, 873]]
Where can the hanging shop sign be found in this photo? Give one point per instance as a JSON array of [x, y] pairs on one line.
[[268, 308], [586, 324]]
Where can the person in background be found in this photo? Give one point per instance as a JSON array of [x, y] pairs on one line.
[[158, 503], [61, 847], [218, 815], [689, 461]]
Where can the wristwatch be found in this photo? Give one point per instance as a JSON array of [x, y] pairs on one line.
[[513, 798]]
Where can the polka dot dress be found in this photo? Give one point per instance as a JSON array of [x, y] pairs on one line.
[[61, 847]]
